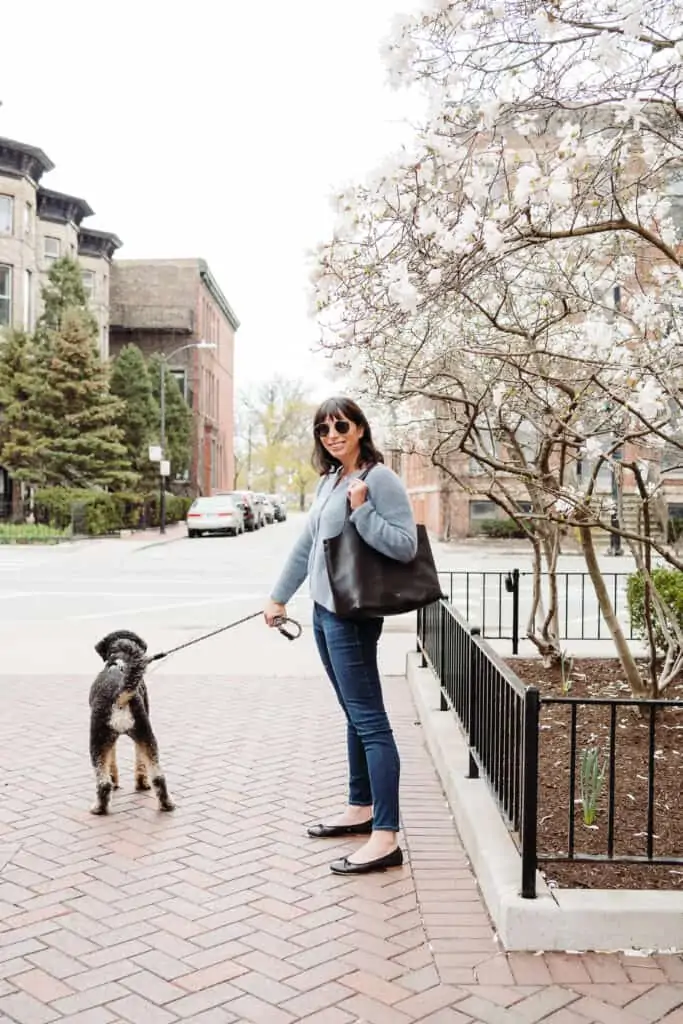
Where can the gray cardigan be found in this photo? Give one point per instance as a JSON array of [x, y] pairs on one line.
[[384, 521]]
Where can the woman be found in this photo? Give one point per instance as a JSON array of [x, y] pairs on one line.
[[381, 512]]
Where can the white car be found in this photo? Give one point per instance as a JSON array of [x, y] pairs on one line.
[[268, 510], [219, 514]]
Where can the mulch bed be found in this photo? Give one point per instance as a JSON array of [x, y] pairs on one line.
[[605, 678]]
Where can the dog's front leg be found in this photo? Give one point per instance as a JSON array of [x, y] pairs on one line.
[[147, 754]]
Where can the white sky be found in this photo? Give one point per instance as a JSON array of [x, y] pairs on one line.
[[209, 128]]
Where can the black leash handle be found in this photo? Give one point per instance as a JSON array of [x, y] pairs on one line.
[[279, 624]]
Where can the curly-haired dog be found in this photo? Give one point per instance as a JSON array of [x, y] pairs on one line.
[[119, 705]]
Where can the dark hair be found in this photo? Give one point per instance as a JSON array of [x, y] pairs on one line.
[[322, 460]]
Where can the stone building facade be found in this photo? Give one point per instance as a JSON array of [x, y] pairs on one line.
[[37, 226]]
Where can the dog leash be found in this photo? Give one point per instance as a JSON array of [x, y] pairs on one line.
[[280, 623]]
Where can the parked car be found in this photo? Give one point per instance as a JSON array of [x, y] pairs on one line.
[[218, 514], [279, 507], [252, 508], [268, 509]]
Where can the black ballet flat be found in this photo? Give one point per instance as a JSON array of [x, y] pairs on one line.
[[347, 867], [339, 831]]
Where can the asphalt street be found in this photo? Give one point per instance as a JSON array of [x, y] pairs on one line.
[[56, 602]]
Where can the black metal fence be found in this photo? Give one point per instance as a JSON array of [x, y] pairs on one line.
[[502, 719], [500, 602], [498, 714]]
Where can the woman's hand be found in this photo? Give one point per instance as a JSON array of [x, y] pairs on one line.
[[274, 611], [358, 493]]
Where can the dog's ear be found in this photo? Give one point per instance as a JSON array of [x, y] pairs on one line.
[[103, 647]]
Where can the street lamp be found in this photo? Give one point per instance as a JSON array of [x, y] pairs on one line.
[[163, 363]]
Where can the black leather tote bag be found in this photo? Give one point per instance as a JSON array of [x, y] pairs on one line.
[[367, 584]]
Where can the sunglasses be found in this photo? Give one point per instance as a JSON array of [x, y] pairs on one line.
[[323, 429]]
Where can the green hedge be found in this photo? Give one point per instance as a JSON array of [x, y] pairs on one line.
[[505, 528], [97, 513], [669, 585]]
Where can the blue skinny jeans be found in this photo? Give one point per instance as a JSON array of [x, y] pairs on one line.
[[348, 651]]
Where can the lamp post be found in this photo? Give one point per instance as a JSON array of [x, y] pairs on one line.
[[163, 364]]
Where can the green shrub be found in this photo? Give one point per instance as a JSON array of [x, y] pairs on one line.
[[500, 528], [669, 585], [177, 508], [31, 533], [98, 513]]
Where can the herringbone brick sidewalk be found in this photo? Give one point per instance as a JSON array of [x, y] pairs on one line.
[[225, 911]]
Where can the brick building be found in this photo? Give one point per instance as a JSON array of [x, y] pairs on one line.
[[452, 510], [162, 306]]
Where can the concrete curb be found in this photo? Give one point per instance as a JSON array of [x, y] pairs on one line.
[[158, 543], [559, 919]]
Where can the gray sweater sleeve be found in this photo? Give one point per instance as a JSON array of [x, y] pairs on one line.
[[385, 519], [295, 569]]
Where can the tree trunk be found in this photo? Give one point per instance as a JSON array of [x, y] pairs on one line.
[[624, 653]]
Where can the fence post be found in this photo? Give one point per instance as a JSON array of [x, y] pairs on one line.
[[530, 793], [473, 768], [443, 703], [515, 611]]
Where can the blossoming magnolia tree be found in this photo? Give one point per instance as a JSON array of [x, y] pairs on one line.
[[519, 271]]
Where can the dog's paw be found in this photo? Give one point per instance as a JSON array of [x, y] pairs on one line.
[[167, 805], [99, 809], [142, 785]]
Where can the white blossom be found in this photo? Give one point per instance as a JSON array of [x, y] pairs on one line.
[[427, 223], [494, 239], [401, 290], [648, 398], [631, 110], [592, 448]]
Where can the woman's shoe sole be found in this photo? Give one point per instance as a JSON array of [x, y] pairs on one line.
[[340, 831]]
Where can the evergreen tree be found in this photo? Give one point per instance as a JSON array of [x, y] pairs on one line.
[[131, 384], [178, 418], [64, 291], [20, 450], [76, 415]]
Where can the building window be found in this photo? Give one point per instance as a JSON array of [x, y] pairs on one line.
[[88, 277], [28, 300], [5, 296], [52, 248], [483, 510], [181, 378], [6, 214], [28, 219]]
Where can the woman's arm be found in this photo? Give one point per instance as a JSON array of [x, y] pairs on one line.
[[385, 519], [296, 567]]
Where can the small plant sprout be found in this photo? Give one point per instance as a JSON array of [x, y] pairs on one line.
[[591, 778], [566, 666]]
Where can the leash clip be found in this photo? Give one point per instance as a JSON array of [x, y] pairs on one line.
[[280, 626]]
